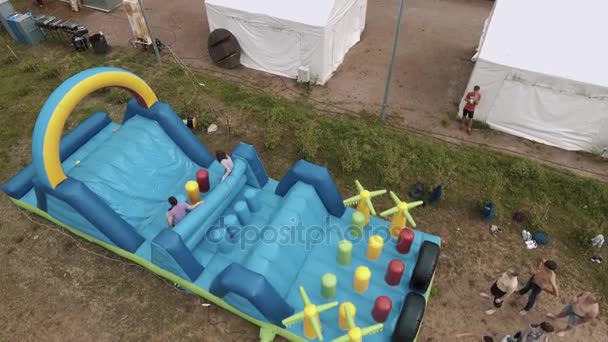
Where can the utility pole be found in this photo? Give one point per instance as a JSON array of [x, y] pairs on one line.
[[392, 63], [152, 37]]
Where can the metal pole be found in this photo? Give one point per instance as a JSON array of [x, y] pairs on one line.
[[143, 11], [392, 63]]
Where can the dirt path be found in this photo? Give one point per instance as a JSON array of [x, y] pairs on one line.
[[431, 70]]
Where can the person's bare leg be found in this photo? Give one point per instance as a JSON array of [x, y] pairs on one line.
[[562, 314], [491, 311], [484, 295], [470, 126], [562, 332]]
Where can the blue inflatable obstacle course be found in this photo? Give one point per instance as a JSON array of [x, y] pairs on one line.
[[262, 249]]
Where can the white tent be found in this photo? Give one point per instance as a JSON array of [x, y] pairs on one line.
[[543, 73], [280, 36]]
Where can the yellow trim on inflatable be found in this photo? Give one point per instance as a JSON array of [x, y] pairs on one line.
[[52, 138]]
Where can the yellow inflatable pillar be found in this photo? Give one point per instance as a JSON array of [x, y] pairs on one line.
[[194, 196], [362, 208], [397, 223], [374, 247], [362, 277], [310, 312], [342, 321]]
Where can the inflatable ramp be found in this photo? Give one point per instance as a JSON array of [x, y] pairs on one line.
[[254, 243]]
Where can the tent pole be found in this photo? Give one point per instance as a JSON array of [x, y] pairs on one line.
[[152, 37], [392, 63]]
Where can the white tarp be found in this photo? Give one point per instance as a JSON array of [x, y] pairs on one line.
[[542, 72], [280, 36]]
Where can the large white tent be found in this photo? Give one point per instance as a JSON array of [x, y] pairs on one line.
[[542, 69], [280, 36]]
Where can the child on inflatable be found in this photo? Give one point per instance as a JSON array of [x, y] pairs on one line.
[[224, 159], [178, 211]]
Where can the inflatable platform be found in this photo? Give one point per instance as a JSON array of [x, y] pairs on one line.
[[280, 254]]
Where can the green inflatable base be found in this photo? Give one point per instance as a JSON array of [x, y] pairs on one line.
[[267, 331]]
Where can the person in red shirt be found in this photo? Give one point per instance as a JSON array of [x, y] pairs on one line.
[[471, 101]]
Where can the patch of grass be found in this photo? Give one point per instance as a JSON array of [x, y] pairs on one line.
[[206, 118], [350, 156], [480, 125], [74, 64], [49, 71], [175, 70], [308, 139], [117, 96], [8, 59], [392, 164], [28, 66], [273, 130], [20, 90], [238, 132], [435, 292]]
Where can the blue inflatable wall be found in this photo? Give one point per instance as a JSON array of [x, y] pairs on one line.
[[21, 183], [320, 179]]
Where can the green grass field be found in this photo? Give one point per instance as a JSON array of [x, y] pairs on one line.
[[570, 209]]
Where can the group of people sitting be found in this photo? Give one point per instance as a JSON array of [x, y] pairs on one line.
[[583, 308], [178, 210]]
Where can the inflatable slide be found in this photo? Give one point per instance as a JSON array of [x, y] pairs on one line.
[[281, 254]]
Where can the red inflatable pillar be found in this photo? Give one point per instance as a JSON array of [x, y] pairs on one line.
[[382, 307], [202, 177], [394, 272], [406, 237]]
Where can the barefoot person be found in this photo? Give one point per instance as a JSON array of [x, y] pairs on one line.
[[543, 280], [585, 307], [502, 288], [597, 243], [471, 100]]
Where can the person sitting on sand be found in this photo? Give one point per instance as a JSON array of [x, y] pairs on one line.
[[178, 211], [502, 288], [585, 307], [224, 159], [543, 279]]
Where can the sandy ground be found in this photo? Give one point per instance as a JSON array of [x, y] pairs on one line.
[[438, 38], [55, 287]]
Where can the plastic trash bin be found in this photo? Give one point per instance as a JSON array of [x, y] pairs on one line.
[[99, 43], [488, 211]]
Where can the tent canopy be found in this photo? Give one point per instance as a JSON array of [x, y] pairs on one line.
[[291, 37], [564, 38], [541, 68], [310, 12]]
